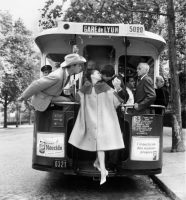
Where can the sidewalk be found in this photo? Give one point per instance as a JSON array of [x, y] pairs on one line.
[[173, 176], [19, 126]]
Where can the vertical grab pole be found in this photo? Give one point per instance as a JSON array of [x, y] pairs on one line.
[[75, 85], [125, 67], [125, 64]]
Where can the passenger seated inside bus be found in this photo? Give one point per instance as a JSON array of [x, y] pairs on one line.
[[162, 94]]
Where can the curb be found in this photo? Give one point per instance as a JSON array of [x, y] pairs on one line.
[[164, 188], [19, 126]]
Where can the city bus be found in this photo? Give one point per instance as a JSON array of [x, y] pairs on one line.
[[123, 46]]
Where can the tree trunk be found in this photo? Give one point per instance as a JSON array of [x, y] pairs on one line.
[[17, 114], [177, 135], [30, 116], [5, 111]]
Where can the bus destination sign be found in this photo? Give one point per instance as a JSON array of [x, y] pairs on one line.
[[100, 29]]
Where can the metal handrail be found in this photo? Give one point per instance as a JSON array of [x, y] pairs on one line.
[[132, 106], [125, 107], [61, 103]]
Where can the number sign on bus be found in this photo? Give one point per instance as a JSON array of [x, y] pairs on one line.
[[136, 29]]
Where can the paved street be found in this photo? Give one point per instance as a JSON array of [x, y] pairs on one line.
[[18, 181]]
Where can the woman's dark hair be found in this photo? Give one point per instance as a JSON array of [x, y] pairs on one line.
[[108, 70], [89, 72], [128, 78]]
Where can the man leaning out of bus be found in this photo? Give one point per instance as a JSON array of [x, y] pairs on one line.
[[48, 89]]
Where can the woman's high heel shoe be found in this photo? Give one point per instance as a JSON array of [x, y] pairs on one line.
[[96, 165], [103, 177]]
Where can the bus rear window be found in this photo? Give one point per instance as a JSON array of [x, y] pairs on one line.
[[132, 63], [55, 59], [100, 54]]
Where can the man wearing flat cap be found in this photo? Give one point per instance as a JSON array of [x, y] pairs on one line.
[[46, 69], [48, 88]]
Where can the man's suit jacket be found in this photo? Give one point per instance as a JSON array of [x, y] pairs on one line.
[[145, 93], [46, 88]]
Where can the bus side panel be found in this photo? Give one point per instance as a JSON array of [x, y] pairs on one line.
[[145, 143], [51, 136]]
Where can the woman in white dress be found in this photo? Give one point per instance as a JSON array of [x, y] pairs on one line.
[[97, 127]]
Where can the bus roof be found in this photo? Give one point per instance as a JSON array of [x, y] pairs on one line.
[[101, 29]]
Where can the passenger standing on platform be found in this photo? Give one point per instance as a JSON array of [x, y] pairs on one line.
[[115, 82], [145, 93], [97, 127], [49, 88], [130, 85], [162, 94]]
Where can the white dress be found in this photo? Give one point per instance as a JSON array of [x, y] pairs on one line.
[[97, 127]]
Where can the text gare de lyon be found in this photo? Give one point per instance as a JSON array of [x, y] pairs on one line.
[[100, 29]]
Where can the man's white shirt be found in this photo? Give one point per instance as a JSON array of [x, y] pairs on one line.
[[131, 96]]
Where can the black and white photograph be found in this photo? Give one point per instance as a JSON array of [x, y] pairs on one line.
[[92, 100]]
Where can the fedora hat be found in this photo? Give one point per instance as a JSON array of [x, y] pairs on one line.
[[46, 68], [73, 58]]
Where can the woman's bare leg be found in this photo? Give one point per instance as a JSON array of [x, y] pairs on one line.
[[96, 164], [101, 159], [104, 172]]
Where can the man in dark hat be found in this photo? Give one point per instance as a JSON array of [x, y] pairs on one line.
[[46, 69]]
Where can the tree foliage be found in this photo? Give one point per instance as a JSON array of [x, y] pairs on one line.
[[151, 13], [49, 13], [17, 59], [6, 23], [165, 17], [180, 8], [102, 11]]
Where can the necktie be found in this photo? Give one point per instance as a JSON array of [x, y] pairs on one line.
[[65, 91], [67, 80], [138, 80]]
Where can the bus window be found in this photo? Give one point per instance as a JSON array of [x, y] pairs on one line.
[[100, 54], [55, 59], [132, 63]]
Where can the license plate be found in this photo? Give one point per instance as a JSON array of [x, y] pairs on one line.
[[60, 164]]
